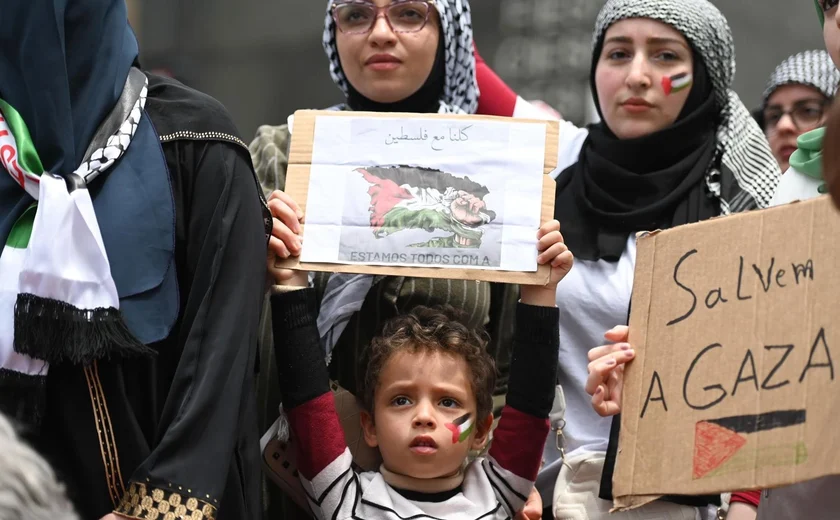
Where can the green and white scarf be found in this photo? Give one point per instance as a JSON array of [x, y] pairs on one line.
[[58, 300]]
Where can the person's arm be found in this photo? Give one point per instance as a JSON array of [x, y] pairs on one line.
[[744, 505], [498, 99], [270, 155], [323, 458], [221, 270], [516, 454]]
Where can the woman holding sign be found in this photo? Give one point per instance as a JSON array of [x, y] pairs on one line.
[[810, 175], [675, 146], [385, 56]]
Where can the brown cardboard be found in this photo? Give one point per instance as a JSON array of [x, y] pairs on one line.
[[297, 186], [704, 360]]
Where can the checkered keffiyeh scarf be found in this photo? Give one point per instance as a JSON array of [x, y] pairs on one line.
[[810, 68], [741, 145]]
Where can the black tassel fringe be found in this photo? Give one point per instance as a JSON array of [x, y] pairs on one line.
[[22, 397], [57, 332]]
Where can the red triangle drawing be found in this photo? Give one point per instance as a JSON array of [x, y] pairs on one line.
[[713, 445]]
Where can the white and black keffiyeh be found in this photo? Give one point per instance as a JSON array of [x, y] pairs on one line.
[[56, 286], [460, 93], [810, 68], [741, 145]]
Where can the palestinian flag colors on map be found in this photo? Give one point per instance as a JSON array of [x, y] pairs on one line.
[[404, 197], [719, 444]]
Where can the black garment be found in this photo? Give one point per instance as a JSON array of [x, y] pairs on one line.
[[185, 422], [657, 181], [425, 100]]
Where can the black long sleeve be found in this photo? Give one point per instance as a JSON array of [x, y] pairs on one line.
[[301, 365], [533, 367]]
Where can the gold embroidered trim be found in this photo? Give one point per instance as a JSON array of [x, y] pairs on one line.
[[105, 432], [144, 503]]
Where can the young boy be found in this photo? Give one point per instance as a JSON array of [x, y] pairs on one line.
[[426, 394]]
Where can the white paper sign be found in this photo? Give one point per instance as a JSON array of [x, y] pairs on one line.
[[425, 193]]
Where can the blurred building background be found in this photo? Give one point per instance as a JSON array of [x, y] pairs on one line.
[[263, 58]]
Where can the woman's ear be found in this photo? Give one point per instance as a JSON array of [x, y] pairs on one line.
[[369, 429], [482, 433]]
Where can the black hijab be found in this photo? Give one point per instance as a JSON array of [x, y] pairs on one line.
[[621, 186]]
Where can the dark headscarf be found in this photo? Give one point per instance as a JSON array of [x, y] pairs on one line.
[[713, 160], [66, 85], [63, 85]]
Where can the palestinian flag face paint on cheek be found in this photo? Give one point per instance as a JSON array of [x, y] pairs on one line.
[[676, 83], [461, 428]]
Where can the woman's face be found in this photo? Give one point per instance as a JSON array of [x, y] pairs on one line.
[[387, 66], [791, 111], [637, 55]]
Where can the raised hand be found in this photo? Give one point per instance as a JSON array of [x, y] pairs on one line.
[[286, 238], [553, 252]]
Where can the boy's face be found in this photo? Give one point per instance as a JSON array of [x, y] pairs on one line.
[[419, 409], [831, 32]]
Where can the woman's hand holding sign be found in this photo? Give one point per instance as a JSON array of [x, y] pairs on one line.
[[286, 239], [606, 371]]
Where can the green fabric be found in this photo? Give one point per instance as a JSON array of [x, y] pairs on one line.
[[22, 230], [27, 155], [807, 159], [820, 12], [29, 161]]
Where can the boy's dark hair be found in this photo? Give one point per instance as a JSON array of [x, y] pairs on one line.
[[437, 329]]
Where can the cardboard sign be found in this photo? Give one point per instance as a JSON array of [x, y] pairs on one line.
[[737, 337], [415, 139]]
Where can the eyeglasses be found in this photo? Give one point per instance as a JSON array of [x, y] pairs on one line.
[[806, 115], [404, 16], [828, 5]]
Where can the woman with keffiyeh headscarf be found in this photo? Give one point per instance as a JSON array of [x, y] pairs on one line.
[[796, 100], [381, 68], [675, 146], [133, 233]]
